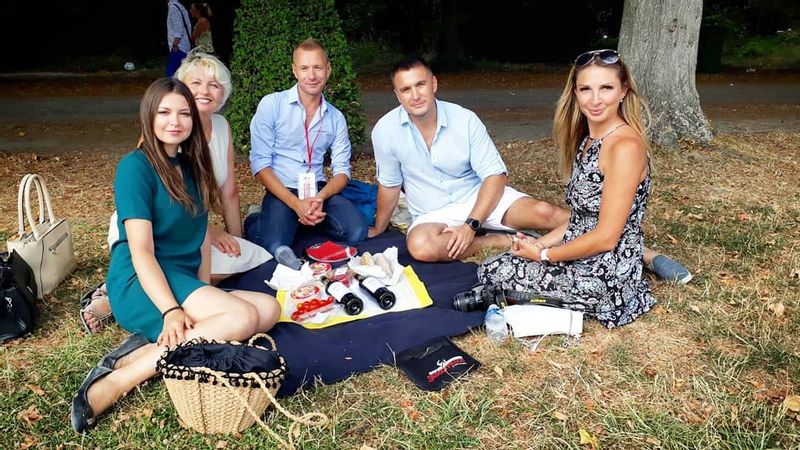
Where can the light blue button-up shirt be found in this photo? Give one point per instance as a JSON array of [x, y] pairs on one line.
[[462, 155], [278, 139]]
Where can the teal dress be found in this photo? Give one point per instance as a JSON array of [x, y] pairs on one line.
[[178, 235]]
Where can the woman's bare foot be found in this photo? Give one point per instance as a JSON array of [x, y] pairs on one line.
[[97, 313]]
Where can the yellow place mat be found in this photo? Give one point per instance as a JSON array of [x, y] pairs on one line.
[[410, 293]]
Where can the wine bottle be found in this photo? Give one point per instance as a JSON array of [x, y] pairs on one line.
[[341, 293], [377, 290]]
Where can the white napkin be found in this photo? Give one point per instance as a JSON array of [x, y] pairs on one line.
[[390, 254], [537, 320], [287, 279]]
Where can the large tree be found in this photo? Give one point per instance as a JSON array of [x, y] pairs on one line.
[[658, 40]]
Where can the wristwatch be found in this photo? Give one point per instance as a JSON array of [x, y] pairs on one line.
[[475, 224], [543, 256]]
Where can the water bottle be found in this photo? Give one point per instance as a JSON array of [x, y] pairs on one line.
[[495, 323]]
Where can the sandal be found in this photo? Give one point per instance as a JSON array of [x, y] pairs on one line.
[[87, 300]]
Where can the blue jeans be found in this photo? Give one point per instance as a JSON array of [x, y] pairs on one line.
[[277, 223], [173, 62]]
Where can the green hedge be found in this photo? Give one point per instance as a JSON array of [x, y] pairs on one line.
[[265, 34]]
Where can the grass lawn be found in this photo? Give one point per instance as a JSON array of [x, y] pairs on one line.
[[709, 367]]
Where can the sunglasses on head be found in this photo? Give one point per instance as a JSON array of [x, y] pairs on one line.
[[605, 56]]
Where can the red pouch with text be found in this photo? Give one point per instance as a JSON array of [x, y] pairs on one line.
[[330, 252]]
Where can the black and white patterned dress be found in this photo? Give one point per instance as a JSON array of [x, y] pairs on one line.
[[607, 286]]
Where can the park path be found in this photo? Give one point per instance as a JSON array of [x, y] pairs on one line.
[[523, 114]]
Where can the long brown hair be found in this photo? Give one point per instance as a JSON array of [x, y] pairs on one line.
[[194, 149], [570, 125]]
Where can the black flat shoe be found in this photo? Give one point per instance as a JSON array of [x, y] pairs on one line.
[[80, 413], [130, 344]]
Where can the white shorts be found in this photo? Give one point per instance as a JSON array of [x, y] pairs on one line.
[[456, 213]]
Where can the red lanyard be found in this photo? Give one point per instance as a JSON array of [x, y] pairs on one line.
[[310, 146]]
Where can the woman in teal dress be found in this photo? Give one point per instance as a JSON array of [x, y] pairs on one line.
[[159, 274]]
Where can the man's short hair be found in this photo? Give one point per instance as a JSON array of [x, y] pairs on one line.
[[408, 64], [310, 45]]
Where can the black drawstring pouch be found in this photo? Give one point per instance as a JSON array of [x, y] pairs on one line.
[[435, 364]]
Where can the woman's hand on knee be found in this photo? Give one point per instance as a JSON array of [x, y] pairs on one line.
[[174, 331]]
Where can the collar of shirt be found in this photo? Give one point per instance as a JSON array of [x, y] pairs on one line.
[[441, 119], [293, 98]]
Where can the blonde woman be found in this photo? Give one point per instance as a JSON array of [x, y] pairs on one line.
[[594, 261]]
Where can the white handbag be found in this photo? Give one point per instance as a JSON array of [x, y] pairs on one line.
[[47, 248]]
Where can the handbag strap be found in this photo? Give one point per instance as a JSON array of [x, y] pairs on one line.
[[265, 336], [23, 187], [312, 418], [44, 200]]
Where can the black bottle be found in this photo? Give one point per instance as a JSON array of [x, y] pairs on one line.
[[336, 289], [377, 290]]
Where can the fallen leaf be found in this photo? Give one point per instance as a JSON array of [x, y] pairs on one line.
[[560, 416], [654, 441], [29, 442], [588, 439], [742, 217], [695, 216], [221, 444], [36, 389], [498, 370], [147, 412], [778, 309], [672, 239], [792, 403], [695, 308], [30, 416]]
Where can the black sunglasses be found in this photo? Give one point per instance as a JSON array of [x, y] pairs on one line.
[[605, 56]]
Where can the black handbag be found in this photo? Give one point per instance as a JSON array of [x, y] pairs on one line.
[[17, 297]]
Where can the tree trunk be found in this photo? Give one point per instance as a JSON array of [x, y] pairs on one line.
[[658, 40]]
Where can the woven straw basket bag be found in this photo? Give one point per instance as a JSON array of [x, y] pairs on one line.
[[225, 402]]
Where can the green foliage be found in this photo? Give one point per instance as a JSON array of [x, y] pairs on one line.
[[265, 34]]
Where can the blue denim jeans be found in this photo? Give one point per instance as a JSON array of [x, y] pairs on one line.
[[277, 223], [173, 62]]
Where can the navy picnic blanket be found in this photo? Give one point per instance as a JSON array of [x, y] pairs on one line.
[[335, 353]]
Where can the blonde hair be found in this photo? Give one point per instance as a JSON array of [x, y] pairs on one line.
[[212, 66], [570, 125], [310, 45]]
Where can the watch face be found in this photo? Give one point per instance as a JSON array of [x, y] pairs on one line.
[[473, 223]]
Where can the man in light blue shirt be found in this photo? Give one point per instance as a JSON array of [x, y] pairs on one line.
[[290, 134], [453, 176], [179, 28]]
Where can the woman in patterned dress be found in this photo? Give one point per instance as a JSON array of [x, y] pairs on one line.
[[594, 261]]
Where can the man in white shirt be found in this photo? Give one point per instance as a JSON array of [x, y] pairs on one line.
[[179, 28]]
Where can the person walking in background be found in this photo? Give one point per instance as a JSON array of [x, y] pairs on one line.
[[201, 36], [179, 31]]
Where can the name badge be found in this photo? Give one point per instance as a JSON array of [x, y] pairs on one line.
[[306, 185]]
